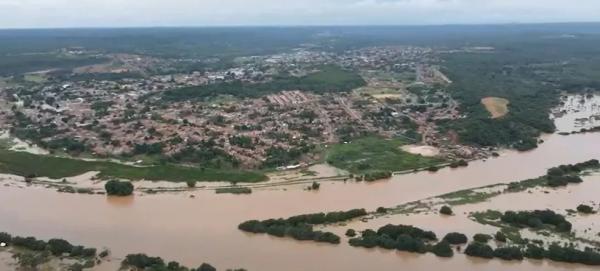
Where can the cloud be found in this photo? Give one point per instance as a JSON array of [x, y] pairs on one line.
[[85, 13]]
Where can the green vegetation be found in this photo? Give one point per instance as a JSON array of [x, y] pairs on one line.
[[568, 254], [537, 219], [327, 79], [301, 227], [118, 188], [572, 255], [191, 183], [446, 210], [558, 176], [482, 238], [455, 238], [523, 71], [145, 262], [442, 249], [374, 154], [480, 250], [234, 190], [26, 164], [500, 237], [585, 209], [404, 238], [31, 252], [509, 253], [18, 64]]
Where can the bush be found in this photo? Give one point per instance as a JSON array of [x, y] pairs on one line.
[[455, 238], [482, 238], [76, 251], [573, 255], [442, 249], [5, 238], [142, 261], [534, 252], [381, 210], [586, 209], [206, 267], [500, 237], [300, 227], [509, 253], [351, 233], [537, 219], [89, 252], [118, 188], [315, 186], [406, 242], [395, 231], [29, 243], [446, 210], [191, 183], [59, 246], [480, 250]]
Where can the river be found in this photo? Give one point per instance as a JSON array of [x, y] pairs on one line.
[[204, 228]]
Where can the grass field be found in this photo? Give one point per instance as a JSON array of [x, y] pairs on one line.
[[376, 154], [24, 164], [498, 107]]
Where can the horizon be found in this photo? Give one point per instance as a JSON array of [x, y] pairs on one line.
[[35, 14], [303, 26]]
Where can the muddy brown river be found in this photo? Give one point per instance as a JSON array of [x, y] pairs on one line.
[[204, 229]]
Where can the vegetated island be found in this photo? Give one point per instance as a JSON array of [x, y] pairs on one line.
[[31, 253], [412, 239]]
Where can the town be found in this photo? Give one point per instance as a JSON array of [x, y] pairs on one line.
[[124, 108]]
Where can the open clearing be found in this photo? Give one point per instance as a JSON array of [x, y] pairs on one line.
[[498, 107], [427, 151], [376, 154]]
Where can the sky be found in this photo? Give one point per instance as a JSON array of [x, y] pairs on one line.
[[146, 13]]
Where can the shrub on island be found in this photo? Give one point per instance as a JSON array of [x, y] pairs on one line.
[[446, 210], [480, 250], [118, 188], [482, 238], [455, 238]]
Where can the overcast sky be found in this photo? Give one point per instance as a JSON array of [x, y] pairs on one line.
[[109, 13]]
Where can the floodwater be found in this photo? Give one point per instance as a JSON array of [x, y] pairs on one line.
[[204, 228]]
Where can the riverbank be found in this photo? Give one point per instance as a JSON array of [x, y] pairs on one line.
[[33, 165]]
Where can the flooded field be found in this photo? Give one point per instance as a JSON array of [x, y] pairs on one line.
[[204, 228], [577, 112]]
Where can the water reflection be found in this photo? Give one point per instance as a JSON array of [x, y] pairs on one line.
[[120, 202]]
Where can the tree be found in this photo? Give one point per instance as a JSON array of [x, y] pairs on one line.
[[206, 267], [5, 238], [142, 261], [586, 209], [191, 183], [350, 233], [118, 188], [480, 250], [315, 186], [509, 253], [446, 210], [500, 237], [455, 238], [59, 246], [482, 238], [442, 249]]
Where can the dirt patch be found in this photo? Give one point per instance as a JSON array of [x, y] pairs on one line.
[[498, 107], [427, 151]]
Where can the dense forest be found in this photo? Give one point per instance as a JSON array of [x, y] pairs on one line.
[[530, 72]]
